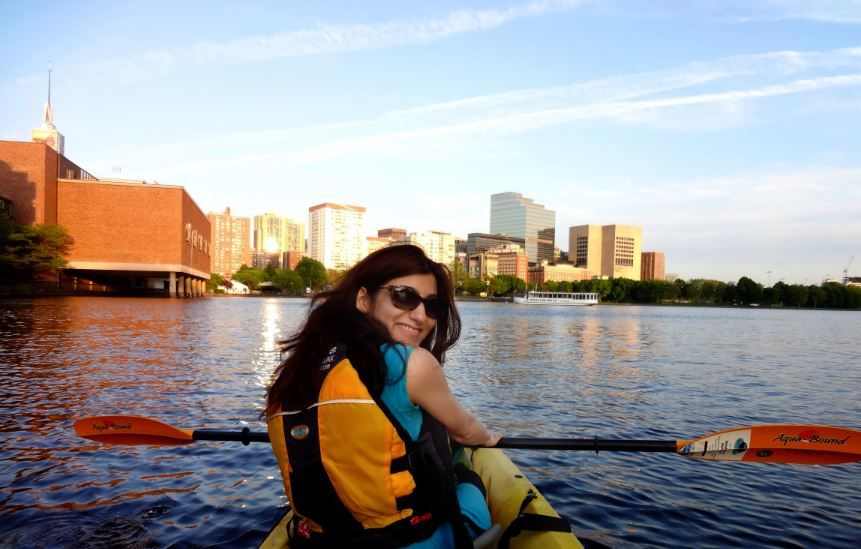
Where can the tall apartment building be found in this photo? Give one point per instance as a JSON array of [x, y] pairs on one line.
[[438, 246], [275, 234], [293, 234], [336, 235], [231, 242], [653, 266], [513, 214], [609, 251]]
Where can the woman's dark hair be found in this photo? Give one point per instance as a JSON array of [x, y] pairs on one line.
[[333, 318]]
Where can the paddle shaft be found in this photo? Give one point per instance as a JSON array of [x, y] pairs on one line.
[[244, 436], [586, 444]]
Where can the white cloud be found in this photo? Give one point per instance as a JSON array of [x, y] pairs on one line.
[[322, 39], [828, 11]]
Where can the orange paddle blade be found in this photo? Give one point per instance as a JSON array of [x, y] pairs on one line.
[[808, 444], [122, 429]]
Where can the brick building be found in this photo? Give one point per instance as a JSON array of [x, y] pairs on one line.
[[129, 236], [652, 266]]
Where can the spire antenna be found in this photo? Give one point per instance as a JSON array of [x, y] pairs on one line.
[[48, 121]]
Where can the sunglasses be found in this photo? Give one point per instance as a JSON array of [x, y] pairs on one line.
[[407, 299]]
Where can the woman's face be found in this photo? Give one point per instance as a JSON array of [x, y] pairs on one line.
[[407, 327]]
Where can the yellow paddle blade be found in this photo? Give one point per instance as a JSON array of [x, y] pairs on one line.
[[807, 444], [123, 429]]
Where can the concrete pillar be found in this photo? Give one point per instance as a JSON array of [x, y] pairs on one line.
[[171, 286]]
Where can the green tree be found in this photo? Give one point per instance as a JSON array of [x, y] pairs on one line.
[[620, 289], [458, 276], [518, 285], [796, 295], [599, 286], [815, 296], [250, 277], [748, 291], [498, 286], [289, 280], [474, 286], [215, 280], [312, 272], [695, 290], [713, 291], [30, 251], [779, 289], [728, 295], [270, 272]]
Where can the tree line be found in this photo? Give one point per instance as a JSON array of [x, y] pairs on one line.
[[309, 273], [744, 292]]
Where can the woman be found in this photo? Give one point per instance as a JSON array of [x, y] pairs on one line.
[[360, 413]]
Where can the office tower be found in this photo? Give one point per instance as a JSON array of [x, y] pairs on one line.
[[336, 235], [653, 266], [438, 246], [514, 215], [611, 251], [231, 242]]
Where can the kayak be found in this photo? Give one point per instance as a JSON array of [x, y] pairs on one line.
[[518, 511]]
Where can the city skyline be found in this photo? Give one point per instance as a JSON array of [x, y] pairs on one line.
[[728, 131]]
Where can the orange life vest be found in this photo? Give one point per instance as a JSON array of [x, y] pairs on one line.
[[353, 473]]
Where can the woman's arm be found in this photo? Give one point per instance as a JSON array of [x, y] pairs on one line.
[[428, 388]]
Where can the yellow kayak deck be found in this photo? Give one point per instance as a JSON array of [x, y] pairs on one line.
[[507, 489]]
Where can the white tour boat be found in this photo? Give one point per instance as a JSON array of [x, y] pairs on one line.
[[557, 298]]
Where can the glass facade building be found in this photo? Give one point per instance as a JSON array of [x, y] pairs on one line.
[[514, 215]]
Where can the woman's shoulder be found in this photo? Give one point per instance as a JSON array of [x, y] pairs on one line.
[[399, 357], [422, 362]]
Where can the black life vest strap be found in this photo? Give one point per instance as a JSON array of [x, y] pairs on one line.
[[461, 536], [531, 522]]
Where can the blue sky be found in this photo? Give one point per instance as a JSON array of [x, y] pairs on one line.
[[729, 130]]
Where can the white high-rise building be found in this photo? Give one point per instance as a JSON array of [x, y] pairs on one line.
[[336, 235], [438, 246], [514, 215]]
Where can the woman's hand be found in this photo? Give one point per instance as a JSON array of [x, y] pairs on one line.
[[492, 439]]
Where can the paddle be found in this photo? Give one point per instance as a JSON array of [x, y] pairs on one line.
[[809, 444]]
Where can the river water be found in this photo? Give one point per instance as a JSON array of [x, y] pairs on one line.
[[624, 372]]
